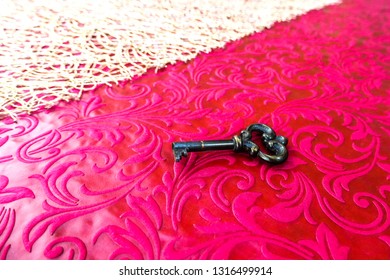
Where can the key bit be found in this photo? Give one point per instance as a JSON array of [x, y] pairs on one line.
[[275, 144]]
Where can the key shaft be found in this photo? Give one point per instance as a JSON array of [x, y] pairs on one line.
[[183, 148], [198, 146]]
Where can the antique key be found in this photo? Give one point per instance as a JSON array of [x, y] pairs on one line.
[[276, 145]]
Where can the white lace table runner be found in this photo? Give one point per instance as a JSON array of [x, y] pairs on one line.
[[54, 50]]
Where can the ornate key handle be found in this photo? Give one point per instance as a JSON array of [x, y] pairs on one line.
[[275, 144]]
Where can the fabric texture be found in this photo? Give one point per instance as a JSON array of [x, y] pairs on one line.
[[96, 179], [54, 50]]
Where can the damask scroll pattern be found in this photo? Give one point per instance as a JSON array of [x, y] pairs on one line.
[[96, 179]]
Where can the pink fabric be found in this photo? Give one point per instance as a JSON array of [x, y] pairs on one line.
[[97, 179]]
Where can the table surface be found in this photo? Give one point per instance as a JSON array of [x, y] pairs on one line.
[[96, 179]]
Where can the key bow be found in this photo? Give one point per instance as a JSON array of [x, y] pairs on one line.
[[275, 144]]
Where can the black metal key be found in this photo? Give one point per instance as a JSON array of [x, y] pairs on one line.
[[273, 143]]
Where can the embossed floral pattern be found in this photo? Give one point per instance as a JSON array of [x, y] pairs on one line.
[[97, 179]]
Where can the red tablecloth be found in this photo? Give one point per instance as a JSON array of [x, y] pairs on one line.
[[96, 179]]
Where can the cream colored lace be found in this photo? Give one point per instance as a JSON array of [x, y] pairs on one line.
[[54, 50]]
